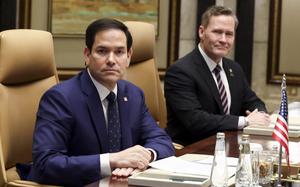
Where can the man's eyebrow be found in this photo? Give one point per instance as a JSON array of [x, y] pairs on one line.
[[101, 46], [120, 47], [105, 47]]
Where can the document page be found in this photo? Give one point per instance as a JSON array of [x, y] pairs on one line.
[[231, 161], [201, 167]]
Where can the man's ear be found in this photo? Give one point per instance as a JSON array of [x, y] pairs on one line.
[[86, 53], [200, 31], [129, 54]]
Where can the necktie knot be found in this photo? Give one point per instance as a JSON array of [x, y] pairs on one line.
[[111, 97], [217, 69]]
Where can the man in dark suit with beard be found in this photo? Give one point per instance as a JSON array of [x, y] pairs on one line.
[[206, 92]]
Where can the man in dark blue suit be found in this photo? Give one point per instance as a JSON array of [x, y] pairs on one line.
[[73, 144], [206, 92]]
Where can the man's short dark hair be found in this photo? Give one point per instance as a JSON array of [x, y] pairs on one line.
[[217, 11], [105, 24]]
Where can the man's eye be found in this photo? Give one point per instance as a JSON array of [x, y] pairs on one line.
[[120, 52], [101, 51], [218, 32], [229, 34]]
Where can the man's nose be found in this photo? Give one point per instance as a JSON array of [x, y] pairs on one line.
[[111, 57], [223, 37]]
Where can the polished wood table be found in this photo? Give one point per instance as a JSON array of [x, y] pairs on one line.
[[232, 138]]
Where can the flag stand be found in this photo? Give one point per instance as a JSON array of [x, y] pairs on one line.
[[278, 183], [280, 132]]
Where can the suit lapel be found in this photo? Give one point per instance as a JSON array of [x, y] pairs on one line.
[[207, 76], [124, 101], [95, 110], [230, 78]]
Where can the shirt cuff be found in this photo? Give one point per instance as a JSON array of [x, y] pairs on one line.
[[104, 182], [242, 122], [104, 165], [154, 154]]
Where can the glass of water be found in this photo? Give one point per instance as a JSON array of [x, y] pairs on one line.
[[265, 167]]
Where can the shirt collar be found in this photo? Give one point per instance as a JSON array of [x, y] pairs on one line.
[[210, 63], [102, 90]]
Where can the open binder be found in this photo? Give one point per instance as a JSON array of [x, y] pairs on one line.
[[183, 174], [159, 178]]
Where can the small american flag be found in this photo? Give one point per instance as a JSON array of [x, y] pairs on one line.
[[280, 132]]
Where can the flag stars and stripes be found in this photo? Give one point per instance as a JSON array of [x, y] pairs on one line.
[[280, 132]]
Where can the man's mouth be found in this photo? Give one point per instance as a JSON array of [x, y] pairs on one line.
[[110, 70], [222, 48]]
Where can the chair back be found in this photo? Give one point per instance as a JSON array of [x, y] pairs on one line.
[[27, 70], [143, 71]]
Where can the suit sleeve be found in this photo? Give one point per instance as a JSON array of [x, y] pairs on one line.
[[152, 136], [53, 131], [185, 106]]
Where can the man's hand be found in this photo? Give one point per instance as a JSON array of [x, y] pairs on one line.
[[116, 181], [125, 172], [257, 118], [136, 157]]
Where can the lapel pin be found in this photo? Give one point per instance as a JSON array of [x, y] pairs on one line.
[[231, 73], [125, 98]]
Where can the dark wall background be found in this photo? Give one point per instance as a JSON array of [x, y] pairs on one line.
[[7, 14], [244, 36]]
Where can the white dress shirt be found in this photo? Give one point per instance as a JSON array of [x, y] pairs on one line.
[[211, 65], [103, 93]]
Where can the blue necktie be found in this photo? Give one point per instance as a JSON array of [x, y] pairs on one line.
[[113, 124], [222, 91]]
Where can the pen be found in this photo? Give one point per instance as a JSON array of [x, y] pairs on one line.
[[187, 179]]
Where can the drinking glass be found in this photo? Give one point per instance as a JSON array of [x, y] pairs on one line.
[[265, 167]]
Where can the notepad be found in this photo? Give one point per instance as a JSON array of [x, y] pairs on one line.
[[294, 131], [293, 126]]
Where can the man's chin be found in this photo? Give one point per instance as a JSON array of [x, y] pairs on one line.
[[111, 75], [112, 79], [221, 53]]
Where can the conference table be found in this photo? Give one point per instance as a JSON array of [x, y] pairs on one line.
[[232, 138]]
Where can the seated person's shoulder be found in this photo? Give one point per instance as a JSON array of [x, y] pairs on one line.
[[65, 90], [129, 87]]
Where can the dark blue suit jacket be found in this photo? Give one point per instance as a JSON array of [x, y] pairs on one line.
[[70, 131]]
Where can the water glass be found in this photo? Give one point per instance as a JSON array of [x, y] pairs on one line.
[[265, 167]]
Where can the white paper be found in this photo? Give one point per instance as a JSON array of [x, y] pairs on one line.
[[231, 161], [177, 165]]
